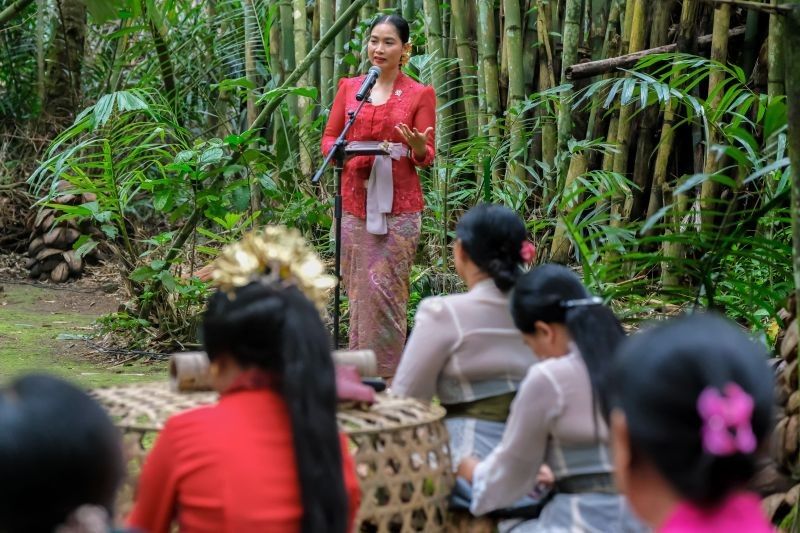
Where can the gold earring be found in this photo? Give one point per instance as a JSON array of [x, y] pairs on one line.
[[405, 58]]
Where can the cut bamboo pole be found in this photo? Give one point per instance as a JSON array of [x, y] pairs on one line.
[[602, 66]]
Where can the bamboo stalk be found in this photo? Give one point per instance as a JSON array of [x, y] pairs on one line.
[[560, 245], [602, 66], [710, 190], [516, 88], [636, 204], [339, 66], [487, 52], [312, 56], [13, 10], [569, 56], [792, 54], [661, 192], [303, 103], [530, 52], [637, 40], [775, 55], [435, 46], [251, 34], [546, 81], [326, 72], [466, 65], [287, 48]]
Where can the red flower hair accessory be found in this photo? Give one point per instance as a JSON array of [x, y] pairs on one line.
[[527, 252]]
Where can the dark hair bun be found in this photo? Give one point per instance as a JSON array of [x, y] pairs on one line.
[[658, 377], [492, 235]]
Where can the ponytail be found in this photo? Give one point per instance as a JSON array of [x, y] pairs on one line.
[[277, 329], [309, 388]]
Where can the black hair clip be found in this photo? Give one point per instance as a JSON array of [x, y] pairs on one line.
[[581, 302]]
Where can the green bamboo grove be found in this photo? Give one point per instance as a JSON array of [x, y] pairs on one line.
[[645, 141]]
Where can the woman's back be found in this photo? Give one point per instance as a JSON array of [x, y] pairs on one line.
[[232, 468], [464, 347]]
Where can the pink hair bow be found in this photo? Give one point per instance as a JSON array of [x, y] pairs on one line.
[[726, 418]]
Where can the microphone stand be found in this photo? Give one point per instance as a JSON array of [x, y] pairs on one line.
[[337, 155]]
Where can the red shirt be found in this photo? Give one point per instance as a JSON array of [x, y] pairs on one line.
[[409, 102], [228, 467]]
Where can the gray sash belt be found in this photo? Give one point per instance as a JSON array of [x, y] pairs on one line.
[[380, 189]]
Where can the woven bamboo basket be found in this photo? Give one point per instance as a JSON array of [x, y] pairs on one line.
[[400, 447]]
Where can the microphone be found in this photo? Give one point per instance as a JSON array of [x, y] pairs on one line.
[[366, 86]]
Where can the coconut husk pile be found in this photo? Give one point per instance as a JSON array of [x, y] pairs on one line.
[[786, 439], [15, 203], [50, 252]]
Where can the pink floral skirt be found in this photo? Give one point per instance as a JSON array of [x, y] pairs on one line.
[[375, 274]]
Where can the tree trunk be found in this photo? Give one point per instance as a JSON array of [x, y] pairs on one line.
[[63, 95], [251, 39], [303, 103], [287, 48]]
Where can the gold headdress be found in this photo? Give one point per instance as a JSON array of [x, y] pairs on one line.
[[273, 253]]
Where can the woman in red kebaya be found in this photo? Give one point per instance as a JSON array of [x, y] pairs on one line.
[[382, 196], [268, 456]]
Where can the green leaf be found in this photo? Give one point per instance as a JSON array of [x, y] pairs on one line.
[[211, 156], [111, 231], [142, 274], [84, 245], [158, 264], [775, 117], [185, 156]]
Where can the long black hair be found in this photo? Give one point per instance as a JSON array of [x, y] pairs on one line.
[[277, 329], [553, 294], [59, 450], [492, 235], [399, 23], [656, 381]]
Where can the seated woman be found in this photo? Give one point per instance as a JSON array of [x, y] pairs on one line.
[[554, 418], [464, 347], [60, 459], [268, 456], [691, 412]]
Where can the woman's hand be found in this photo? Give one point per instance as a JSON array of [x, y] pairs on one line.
[[545, 477], [415, 139], [467, 467]]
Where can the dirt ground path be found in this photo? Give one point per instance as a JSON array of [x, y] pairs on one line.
[[42, 329]]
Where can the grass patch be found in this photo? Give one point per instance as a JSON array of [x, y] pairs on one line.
[[38, 327]]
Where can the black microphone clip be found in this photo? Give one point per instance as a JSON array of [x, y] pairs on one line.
[[366, 86]]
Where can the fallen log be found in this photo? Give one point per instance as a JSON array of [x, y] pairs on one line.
[[602, 66]]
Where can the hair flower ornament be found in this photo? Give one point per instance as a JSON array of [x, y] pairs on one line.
[[273, 254], [726, 419], [527, 252]]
